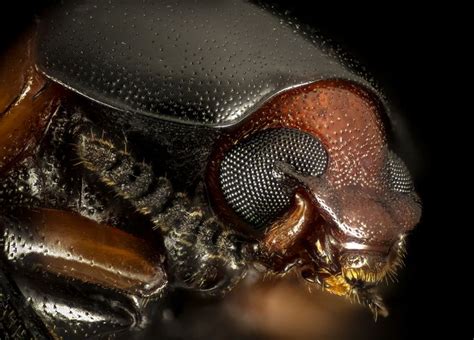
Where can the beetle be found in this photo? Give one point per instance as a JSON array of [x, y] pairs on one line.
[[158, 145]]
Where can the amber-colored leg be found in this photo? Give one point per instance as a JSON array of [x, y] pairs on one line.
[[27, 102], [71, 246]]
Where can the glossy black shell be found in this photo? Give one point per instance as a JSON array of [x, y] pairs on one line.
[[174, 73], [201, 62]]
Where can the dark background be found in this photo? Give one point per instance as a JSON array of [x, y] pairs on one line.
[[411, 53]]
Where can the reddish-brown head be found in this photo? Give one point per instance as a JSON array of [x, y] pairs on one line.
[[328, 139]]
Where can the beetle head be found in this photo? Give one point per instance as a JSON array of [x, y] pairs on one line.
[[313, 171]]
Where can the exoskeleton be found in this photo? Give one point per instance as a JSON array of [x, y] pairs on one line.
[[147, 146]]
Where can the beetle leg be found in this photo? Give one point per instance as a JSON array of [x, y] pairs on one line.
[[68, 245], [202, 254], [134, 181], [74, 310], [27, 102], [17, 319]]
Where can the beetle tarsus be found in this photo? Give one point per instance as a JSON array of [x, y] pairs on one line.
[[202, 254], [132, 180]]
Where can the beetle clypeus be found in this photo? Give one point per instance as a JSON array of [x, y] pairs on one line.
[[227, 103]]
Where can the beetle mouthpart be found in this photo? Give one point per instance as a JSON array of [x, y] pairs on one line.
[[363, 269], [338, 284], [283, 241], [371, 268], [377, 306], [351, 272], [362, 277]]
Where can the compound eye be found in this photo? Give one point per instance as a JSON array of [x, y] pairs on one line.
[[250, 180], [399, 177]]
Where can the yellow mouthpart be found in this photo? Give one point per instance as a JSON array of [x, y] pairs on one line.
[[336, 284]]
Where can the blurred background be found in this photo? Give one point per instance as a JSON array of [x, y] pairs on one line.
[[408, 52]]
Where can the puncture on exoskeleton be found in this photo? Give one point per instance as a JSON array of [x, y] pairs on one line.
[[296, 163]]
